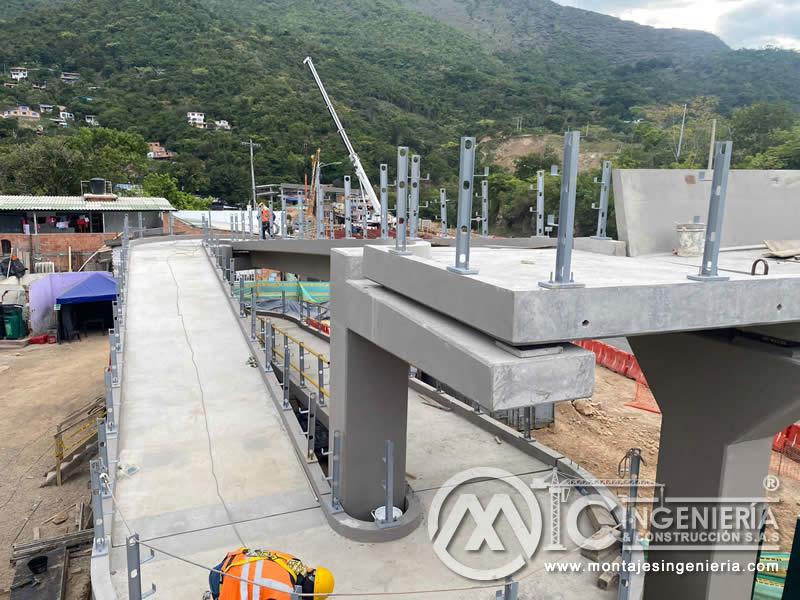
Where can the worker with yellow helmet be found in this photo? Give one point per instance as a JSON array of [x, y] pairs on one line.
[[274, 576]]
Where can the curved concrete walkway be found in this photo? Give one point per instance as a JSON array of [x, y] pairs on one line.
[[216, 468]]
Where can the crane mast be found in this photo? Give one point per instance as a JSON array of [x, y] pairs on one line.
[[366, 186]]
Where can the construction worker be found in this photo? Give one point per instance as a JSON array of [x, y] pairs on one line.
[[266, 222], [274, 574]]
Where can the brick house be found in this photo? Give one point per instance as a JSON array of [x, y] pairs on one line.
[[73, 227]]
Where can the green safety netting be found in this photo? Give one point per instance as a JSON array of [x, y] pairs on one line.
[[769, 586], [308, 291]]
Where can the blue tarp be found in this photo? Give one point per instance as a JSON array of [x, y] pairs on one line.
[[98, 287]]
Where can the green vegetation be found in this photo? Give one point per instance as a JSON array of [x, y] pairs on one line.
[[396, 76]]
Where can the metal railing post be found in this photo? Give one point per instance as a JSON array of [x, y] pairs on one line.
[[335, 472], [602, 216], [413, 221], [384, 201], [111, 425], [232, 276], [716, 211], [115, 379], [252, 317], [301, 217], [269, 340], [287, 378], [485, 208], [100, 545], [141, 226], [241, 298], [302, 353], [510, 590], [463, 231], [539, 203], [563, 277], [102, 451], [348, 209], [321, 380], [443, 202], [629, 531], [400, 206], [388, 486], [320, 213], [135, 569], [311, 427]]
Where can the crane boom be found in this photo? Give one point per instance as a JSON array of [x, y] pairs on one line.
[[366, 186]]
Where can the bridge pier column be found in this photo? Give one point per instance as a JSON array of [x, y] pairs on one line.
[[723, 396], [369, 392]]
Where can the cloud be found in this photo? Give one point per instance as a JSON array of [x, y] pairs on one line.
[[760, 22], [740, 23]]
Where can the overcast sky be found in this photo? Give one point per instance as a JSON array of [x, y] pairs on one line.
[[740, 23]]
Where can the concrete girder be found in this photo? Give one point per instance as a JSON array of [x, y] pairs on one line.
[[376, 333]]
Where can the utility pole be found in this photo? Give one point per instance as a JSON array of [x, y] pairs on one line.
[[252, 168], [683, 125], [713, 139]]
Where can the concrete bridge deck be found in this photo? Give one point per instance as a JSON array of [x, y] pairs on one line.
[[216, 467]]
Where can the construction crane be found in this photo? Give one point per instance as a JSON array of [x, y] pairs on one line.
[[366, 186]]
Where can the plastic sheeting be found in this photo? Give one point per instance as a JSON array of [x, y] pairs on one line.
[[43, 294]]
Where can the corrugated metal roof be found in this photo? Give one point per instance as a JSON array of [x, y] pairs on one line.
[[79, 203]]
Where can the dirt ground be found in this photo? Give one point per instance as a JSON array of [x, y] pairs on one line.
[[599, 441], [39, 387], [591, 156]]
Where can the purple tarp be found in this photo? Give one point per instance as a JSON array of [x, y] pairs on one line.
[[43, 294]]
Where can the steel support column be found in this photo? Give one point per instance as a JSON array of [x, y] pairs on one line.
[[384, 201]]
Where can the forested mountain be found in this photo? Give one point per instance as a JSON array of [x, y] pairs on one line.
[[520, 26], [399, 72]]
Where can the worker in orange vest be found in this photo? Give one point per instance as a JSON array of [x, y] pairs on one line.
[[274, 576], [266, 222]]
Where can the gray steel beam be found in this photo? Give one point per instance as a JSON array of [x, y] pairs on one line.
[[464, 215], [540, 203]]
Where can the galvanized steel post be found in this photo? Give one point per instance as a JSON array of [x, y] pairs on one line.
[[301, 217], [463, 231], [241, 298], [283, 215], [384, 201], [388, 486], [413, 221], [540, 203], [111, 425], [443, 203], [400, 206], [563, 277], [287, 379], [135, 569], [320, 212], [602, 216], [485, 208], [141, 226], [311, 428], [321, 380], [269, 341], [232, 276], [716, 211], [302, 353], [335, 470], [100, 545], [348, 209]]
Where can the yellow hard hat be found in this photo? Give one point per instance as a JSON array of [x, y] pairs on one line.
[[323, 583]]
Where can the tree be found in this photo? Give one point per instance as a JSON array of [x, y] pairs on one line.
[[48, 166], [110, 154], [755, 127], [162, 185], [526, 166]]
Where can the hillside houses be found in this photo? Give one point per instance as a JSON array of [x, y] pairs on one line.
[[198, 119], [24, 113], [18, 73]]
